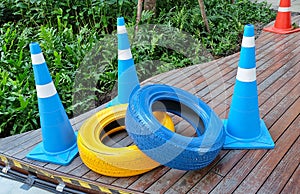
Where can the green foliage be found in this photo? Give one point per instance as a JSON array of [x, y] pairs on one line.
[[226, 21], [94, 14], [79, 52], [16, 89], [63, 51]]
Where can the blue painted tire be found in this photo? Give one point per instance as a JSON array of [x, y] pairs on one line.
[[166, 147]]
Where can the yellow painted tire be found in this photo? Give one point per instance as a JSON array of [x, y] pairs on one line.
[[116, 162]]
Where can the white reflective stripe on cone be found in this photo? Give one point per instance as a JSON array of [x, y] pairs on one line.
[[246, 75], [121, 29], [248, 42], [284, 9], [37, 59], [124, 54], [46, 91]]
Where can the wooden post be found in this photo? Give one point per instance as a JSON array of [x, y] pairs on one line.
[[202, 9], [138, 14]]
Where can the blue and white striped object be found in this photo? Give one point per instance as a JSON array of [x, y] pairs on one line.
[[127, 76], [244, 128], [59, 140]]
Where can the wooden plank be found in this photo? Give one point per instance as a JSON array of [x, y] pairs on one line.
[[284, 117], [228, 162], [265, 60], [172, 79], [18, 141], [106, 180], [185, 183], [80, 170], [182, 75], [293, 184], [115, 139], [274, 98], [67, 169], [284, 65], [125, 182], [23, 145], [266, 165], [273, 48], [273, 57], [235, 176], [234, 72], [190, 178], [206, 184], [281, 107], [207, 76], [164, 183], [21, 155], [282, 173], [291, 77], [146, 180], [91, 175], [9, 139], [268, 55], [124, 142], [51, 166], [264, 95]]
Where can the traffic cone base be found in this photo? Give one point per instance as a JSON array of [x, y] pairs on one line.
[[61, 158], [263, 141], [281, 31]]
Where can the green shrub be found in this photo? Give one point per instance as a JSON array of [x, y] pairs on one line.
[[63, 52], [226, 21]]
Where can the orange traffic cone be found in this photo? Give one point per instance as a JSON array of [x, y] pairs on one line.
[[283, 24]]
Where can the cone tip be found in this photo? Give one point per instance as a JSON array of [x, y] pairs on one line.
[[35, 48], [249, 30], [120, 21]]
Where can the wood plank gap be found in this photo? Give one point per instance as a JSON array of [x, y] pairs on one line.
[[191, 178], [237, 174], [292, 186], [265, 166], [283, 171]]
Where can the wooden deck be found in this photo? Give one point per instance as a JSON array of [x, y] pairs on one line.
[[239, 171]]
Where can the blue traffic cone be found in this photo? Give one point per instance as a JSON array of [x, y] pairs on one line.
[[244, 128], [127, 76], [59, 140]]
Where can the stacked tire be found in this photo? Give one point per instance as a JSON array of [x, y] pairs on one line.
[[153, 132]]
